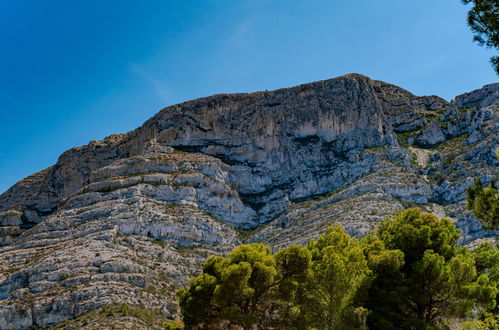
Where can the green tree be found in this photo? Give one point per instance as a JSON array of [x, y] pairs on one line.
[[487, 260], [196, 302], [339, 269], [250, 287], [420, 277], [483, 19], [484, 202], [487, 265]]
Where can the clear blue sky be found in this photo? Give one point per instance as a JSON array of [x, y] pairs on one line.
[[75, 71]]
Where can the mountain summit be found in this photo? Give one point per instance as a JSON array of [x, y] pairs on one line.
[[130, 218]]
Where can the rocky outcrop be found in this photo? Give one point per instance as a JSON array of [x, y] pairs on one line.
[[431, 135], [129, 219], [279, 146], [483, 97]]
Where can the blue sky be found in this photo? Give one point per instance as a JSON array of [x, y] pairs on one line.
[[75, 71]]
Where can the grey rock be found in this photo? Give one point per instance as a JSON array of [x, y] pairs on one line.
[[130, 218], [11, 218], [432, 102], [436, 157], [484, 96], [451, 112], [32, 216], [431, 135]]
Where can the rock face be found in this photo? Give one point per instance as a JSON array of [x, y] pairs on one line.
[[130, 218], [431, 135]]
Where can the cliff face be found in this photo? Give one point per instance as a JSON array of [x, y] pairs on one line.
[[129, 218]]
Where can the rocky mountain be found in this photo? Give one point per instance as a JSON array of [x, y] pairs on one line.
[[129, 219]]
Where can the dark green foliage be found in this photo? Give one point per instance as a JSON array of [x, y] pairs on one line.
[[250, 287], [484, 202], [487, 260], [483, 20], [487, 265], [195, 302], [413, 232], [422, 279]]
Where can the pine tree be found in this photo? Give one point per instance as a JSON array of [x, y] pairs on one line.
[[484, 202], [483, 20], [250, 287], [424, 278], [339, 269]]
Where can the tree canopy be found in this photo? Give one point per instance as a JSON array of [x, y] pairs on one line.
[[428, 281], [483, 19], [338, 269], [484, 202], [408, 274], [250, 287]]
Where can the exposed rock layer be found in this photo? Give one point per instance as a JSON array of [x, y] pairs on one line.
[[128, 219]]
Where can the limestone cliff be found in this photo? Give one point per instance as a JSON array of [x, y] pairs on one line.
[[129, 219]]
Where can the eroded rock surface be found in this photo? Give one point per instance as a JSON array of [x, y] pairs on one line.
[[130, 218]]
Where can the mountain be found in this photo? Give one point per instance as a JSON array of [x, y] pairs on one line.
[[129, 219]]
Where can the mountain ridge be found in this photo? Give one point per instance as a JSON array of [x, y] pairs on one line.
[[129, 218], [116, 139]]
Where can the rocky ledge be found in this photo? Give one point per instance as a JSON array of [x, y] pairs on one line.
[[129, 219]]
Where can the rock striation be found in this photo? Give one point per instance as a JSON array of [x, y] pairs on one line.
[[130, 218]]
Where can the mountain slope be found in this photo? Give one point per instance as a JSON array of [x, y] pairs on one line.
[[129, 219]]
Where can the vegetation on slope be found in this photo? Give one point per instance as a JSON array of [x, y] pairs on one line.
[[408, 274]]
